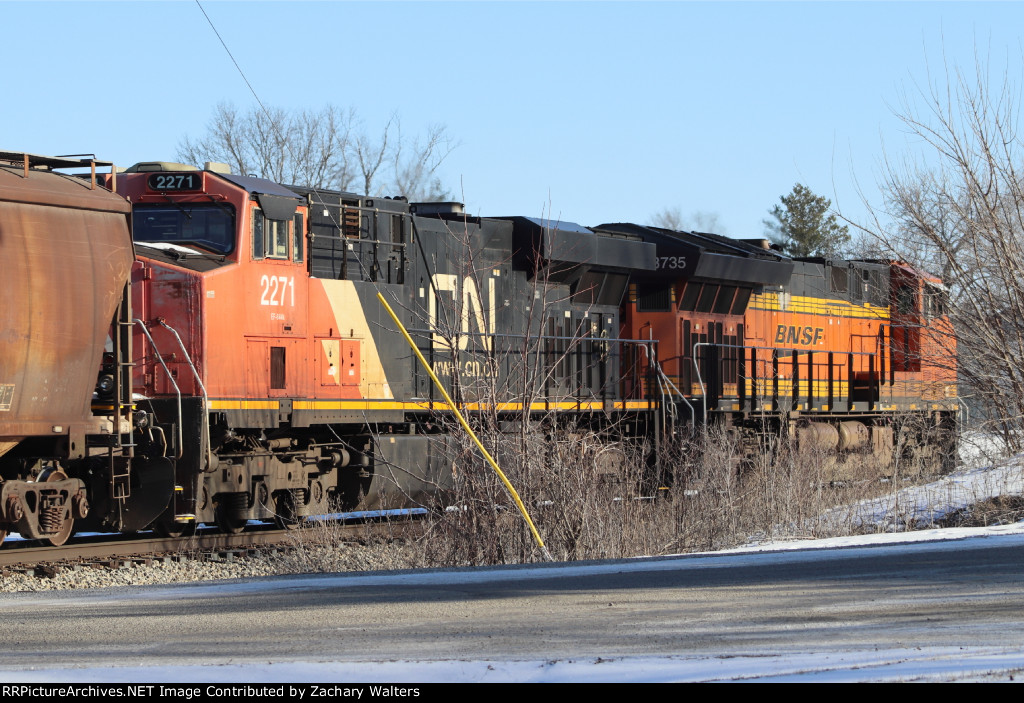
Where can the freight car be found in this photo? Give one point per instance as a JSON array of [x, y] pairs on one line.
[[67, 254]]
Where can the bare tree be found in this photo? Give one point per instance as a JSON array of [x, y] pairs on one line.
[[326, 148], [957, 209], [698, 221]]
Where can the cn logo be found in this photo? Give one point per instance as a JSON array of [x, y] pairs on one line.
[[467, 312]]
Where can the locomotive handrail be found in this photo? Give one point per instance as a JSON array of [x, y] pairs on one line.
[[675, 388], [542, 336], [662, 376], [696, 366], [363, 208], [170, 378], [501, 352], [353, 240], [703, 389], [643, 343], [202, 388]]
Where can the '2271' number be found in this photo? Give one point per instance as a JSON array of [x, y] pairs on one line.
[[276, 289]]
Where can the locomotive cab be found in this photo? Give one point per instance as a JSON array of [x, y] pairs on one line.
[[220, 287], [922, 345]]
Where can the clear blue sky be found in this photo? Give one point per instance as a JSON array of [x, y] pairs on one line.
[[592, 112]]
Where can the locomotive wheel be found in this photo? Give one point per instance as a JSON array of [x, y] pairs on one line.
[[165, 526], [228, 524], [231, 511], [284, 512], [61, 536], [284, 523]]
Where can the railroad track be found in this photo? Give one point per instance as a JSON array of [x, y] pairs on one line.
[[116, 550]]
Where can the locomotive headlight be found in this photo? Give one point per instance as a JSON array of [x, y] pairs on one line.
[[105, 385]]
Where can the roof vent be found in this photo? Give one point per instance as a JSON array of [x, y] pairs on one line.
[[442, 208], [154, 166], [217, 167]]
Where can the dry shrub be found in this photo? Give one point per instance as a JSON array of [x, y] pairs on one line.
[[581, 490], [593, 495], [1000, 510]]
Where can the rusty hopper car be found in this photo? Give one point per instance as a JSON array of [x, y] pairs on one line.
[[67, 255]]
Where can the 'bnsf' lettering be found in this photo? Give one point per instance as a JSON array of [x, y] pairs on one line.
[[799, 336]]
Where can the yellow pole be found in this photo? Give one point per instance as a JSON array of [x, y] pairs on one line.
[[465, 426]]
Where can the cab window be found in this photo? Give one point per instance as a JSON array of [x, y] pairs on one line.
[[270, 238], [298, 230], [210, 226]]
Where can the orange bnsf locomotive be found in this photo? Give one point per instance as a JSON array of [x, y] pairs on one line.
[[835, 352], [247, 370]]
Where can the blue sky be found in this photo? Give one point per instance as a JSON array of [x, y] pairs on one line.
[[590, 112]]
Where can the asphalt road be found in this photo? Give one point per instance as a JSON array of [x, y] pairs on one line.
[[966, 593]]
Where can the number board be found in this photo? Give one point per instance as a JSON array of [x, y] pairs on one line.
[[174, 181]]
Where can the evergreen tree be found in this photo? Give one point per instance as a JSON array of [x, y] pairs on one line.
[[802, 225]]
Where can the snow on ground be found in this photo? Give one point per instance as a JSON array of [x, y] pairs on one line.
[[918, 504], [916, 507], [926, 504], [926, 664]]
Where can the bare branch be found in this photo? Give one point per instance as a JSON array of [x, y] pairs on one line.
[[323, 149], [957, 209]]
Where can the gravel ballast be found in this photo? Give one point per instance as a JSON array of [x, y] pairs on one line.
[[301, 559]]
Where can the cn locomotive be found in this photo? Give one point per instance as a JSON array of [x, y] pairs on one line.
[[230, 361]]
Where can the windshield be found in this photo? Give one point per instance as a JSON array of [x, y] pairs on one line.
[[208, 225]]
